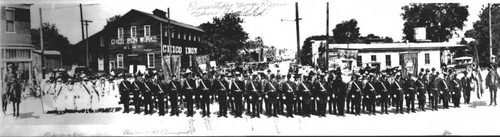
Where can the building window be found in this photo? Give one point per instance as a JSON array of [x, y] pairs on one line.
[[119, 59], [112, 65], [388, 60], [179, 34], [147, 31], [358, 61], [189, 36], [120, 33], [9, 18], [427, 58], [172, 34], [374, 58], [151, 60], [184, 36], [133, 32], [102, 41]]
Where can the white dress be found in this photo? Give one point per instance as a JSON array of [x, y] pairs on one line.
[[69, 97], [101, 89], [59, 97], [114, 96]]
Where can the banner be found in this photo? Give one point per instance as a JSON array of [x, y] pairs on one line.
[[172, 65], [202, 60]]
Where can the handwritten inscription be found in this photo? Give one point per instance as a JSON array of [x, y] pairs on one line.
[[135, 132], [51, 134], [242, 8]]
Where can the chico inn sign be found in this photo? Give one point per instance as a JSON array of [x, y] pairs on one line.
[[153, 39]]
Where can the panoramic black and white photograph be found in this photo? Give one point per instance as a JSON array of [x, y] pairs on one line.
[[249, 67]]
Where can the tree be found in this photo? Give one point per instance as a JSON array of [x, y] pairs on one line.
[[306, 50], [481, 32], [226, 35], [441, 20], [388, 40], [52, 40], [346, 31], [111, 20]]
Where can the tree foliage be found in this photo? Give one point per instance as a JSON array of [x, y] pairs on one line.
[[52, 40], [346, 31], [306, 50], [225, 37], [481, 32], [441, 20]]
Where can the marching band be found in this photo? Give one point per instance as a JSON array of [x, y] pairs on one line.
[[272, 94]]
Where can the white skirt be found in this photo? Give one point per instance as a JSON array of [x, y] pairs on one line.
[[94, 100]]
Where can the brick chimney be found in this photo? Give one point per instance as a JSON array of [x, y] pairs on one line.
[[160, 13]]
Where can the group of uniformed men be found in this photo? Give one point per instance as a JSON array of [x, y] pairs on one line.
[[306, 94]]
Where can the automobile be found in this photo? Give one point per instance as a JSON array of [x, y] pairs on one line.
[[78, 69], [461, 63], [59, 73]]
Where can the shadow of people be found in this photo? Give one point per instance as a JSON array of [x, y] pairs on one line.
[[474, 104], [28, 115]]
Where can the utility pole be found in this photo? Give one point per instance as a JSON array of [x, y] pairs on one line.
[[169, 40], [86, 23], [41, 45], [298, 33], [327, 49], [489, 26], [83, 31]]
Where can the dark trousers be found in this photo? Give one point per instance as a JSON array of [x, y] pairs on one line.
[[271, 104], [197, 98], [421, 101], [174, 104], [493, 95], [222, 104], [313, 109], [148, 103], [446, 99], [399, 102], [456, 99], [306, 105], [249, 103], [205, 103], [341, 104], [371, 103], [161, 104], [467, 96], [15, 106], [125, 101], [289, 104], [384, 103], [281, 103], [332, 104], [357, 103], [189, 102], [410, 102], [434, 99], [348, 102], [137, 103], [238, 104], [254, 104]]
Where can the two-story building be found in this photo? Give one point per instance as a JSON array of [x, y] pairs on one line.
[[15, 40], [136, 40]]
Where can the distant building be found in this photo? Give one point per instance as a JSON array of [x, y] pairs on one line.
[[389, 55], [135, 42], [15, 40]]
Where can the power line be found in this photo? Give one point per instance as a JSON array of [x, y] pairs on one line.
[[67, 7]]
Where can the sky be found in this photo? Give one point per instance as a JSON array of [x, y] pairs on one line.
[[381, 18]]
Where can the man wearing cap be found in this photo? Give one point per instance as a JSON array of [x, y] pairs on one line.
[[271, 96], [492, 81], [222, 90], [238, 88], [125, 89], [410, 87], [253, 89], [205, 85], [173, 89], [354, 95], [331, 94], [188, 86], [397, 87], [305, 87], [8, 80], [289, 88], [371, 94], [281, 94], [421, 91], [246, 95], [427, 79], [383, 88], [297, 101], [467, 85], [456, 90], [322, 95], [445, 88]]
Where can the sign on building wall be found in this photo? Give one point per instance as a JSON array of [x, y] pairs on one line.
[[179, 50]]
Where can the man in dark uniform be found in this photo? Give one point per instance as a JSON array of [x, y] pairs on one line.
[[456, 91], [492, 81], [173, 91], [125, 88], [189, 84], [354, 94], [238, 88], [270, 89], [371, 94], [139, 88], [322, 95], [410, 87], [305, 87], [289, 88], [204, 86], [331, 90], [397, 87], [421, 91], [148, 95], [340, 92], [313, 79], [221, 86], [246, 95], [253, 89], [445, 90], [466, 84], [383, 88], [281, 94], [434, 86], [161, 88], [428, 80]]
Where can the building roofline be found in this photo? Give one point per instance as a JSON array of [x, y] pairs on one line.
[[165, 20], [396, 46]]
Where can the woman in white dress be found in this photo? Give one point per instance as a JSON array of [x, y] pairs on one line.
[[58, 96], [114, 96], [69, 96], [87, 96], [102, 89]]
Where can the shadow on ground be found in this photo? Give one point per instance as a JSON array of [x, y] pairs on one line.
[[474, 104], [28, 115]]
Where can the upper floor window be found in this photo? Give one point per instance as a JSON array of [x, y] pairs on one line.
[[133, 32], [102, 41], [9, 18], [120, 33], [147, 31]]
